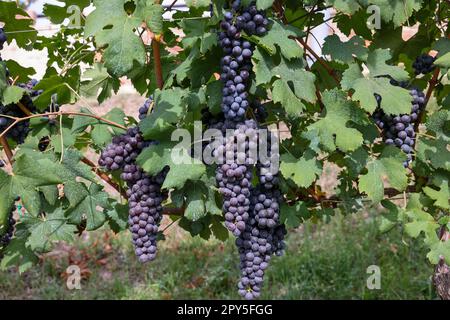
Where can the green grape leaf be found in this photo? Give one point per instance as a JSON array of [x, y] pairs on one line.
[[152, 15], [63, 87], [118, 217], [280, 36], [333, 129], [71, 8], [23, 74], [439, 249], [345, 51], [419, 220], [196, 31], [303, 171], [441, 197], [92, 208], [218, 229], [102, 132], [29, 173], [182, 167], [292, 216], [264, 4], [388, 166], [73, 169], [395, 100], [169, 107], [397, 11], [123, 46], [434, 152], [197, 3], [18, 253], [439, 123], [98, 83], [443, 61], [12, 94], [292, 82], [45, 230], [18, 24]]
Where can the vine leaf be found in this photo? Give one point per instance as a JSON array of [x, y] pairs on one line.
[[123, 46], [102, 132], [395, 100], [294, 215], [92, 208], [197, 31], [12, 94], [118, 217], [152, 14], [169, 107], [439, 123], [292, 82], [280, 36], [390, 167], [434, 152], [303, 171], [18, 24], [57, 13], [391, 10], [17, 253], [44, 230], [29, 174], [59, 86], [333, 129], [344, 51], [182, 167], [71, 170], [97, 82], [443, 61], [441, 197]]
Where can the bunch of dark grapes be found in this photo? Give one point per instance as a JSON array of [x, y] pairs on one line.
[[20, 131], [143, 111], [144, 192], [145, 211], [256, 246], [424, 64], [8, 234], [236, 63], [399, 130], [234, 175]]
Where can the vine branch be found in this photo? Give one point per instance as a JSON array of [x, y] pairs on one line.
[[61, 113], [7, 149]]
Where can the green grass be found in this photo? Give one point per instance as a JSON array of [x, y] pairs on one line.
[[323, 261]]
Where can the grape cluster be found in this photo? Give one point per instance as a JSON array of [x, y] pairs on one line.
[[143, 111], [399, 130], [144, 192], [20, 131], [123, 150], [236, 63], [256, 246], [424, 64], [145, 212], [234, 175], [8, 234]]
